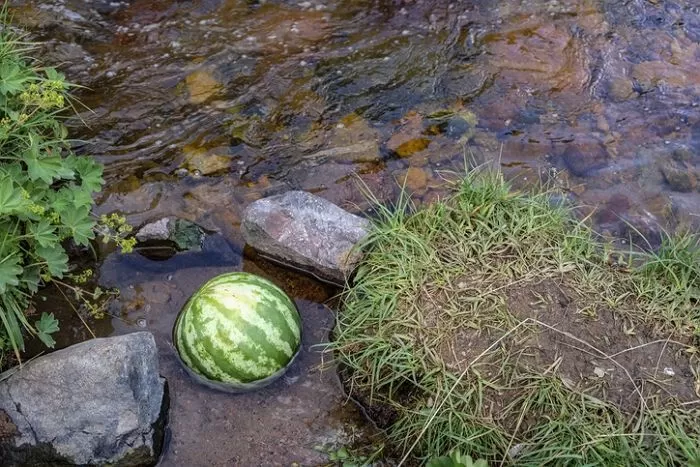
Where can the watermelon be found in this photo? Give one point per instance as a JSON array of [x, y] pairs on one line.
[[238, 332]]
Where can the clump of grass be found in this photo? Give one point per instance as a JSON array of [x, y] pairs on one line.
[[495, 323], [669, 282]]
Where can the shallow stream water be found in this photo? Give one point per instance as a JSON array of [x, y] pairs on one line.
[[199, 107]]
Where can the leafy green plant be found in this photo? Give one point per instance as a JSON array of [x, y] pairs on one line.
[[343, 456], [45, 189], [456, 459], [46, 326]]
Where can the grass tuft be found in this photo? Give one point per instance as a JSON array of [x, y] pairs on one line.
[[495, 323]]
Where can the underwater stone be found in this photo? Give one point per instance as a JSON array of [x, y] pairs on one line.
[[679, 178]]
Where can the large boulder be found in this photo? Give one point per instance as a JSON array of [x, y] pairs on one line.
[[95, 403], [307, 232]]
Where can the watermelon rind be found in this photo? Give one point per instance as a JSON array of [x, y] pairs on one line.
[[238, 388], [215, 376]]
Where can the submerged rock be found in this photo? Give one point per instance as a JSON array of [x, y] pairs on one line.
[[205, 162], [415, 179], [201, 85], [365, 151], [679, 178], [307, 232], [108, 7], [585, 159], [621, 89], [95, 403]]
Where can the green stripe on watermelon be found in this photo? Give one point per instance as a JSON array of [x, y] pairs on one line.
[[234, 362], [276, 343], [251, 289], [273, 325], [187, 352], [271, 289]]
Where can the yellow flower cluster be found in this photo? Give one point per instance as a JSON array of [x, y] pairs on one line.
[[83, 277], [48, 95], [121, 229]]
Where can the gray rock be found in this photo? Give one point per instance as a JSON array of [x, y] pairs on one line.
[[683, 154], [184, 234], [621, 89], [307, 232], [158, 230], [98, 402]]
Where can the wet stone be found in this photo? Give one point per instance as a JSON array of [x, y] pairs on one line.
[[411, 147], [201, 85], [307, 233], [184, 234], [620, 89], [585, 159], [457, 126], [415, 179], [644, 231], [679, 178], [683, 154], [410, 138], [107, 7], [365, 151], [206, 162]]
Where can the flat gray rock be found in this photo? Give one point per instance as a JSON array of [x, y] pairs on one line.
[[306, 232], [98, 402]]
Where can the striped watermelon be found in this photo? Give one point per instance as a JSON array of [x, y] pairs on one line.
[[238, 332]]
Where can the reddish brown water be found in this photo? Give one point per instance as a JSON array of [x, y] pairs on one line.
[[200, 107]]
